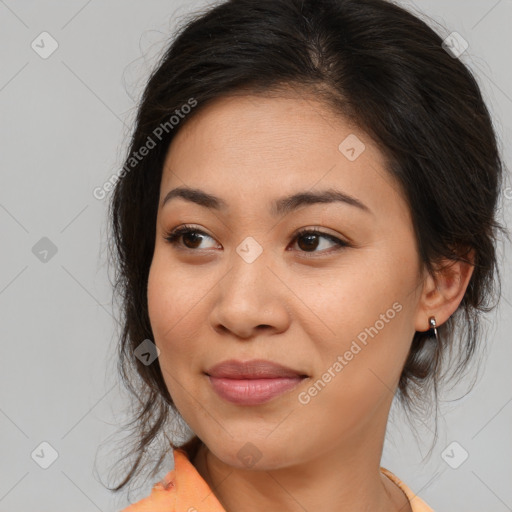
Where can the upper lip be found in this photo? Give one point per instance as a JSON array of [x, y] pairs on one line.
[[253, 369]]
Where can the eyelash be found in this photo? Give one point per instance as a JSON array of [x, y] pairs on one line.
[[173, 236]]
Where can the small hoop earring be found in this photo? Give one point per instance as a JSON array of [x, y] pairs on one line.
[[433, 330]]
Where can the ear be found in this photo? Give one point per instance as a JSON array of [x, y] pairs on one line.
[[443, 291]]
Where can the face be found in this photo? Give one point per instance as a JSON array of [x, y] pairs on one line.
[[250, 281]]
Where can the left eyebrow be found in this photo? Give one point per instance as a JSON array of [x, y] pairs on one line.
[[291, 203], [282, 206]]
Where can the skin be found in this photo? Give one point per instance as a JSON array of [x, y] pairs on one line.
[[207, 304]]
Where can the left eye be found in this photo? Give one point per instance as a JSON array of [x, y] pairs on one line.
[[311, 236], [193, 237]]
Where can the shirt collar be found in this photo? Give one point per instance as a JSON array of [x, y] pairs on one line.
[[192, 491]]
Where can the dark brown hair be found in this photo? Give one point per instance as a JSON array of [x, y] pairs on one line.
[[378, 66]]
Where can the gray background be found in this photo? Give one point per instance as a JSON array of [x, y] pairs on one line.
[[64, 126]]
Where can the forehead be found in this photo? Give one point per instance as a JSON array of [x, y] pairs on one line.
[[247, 145]]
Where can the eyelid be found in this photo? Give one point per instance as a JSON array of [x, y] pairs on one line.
[[320, 232]]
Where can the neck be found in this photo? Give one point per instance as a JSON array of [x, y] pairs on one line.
[[344, 478]]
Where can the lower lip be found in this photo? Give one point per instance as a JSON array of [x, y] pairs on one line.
[[252, 391]]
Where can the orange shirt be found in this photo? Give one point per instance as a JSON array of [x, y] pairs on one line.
[[183, 489]]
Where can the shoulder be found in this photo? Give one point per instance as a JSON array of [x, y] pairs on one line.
[[161, 499], [417, 504], [182, 488]]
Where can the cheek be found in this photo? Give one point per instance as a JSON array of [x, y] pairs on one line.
[[164, 315], [354, 297], [360, 369], [174, 299], [369, 312], [171, 308], [176, 307]]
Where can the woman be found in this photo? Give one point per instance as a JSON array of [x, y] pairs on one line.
[[304, 227]]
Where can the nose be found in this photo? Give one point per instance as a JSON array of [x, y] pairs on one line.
[[250, 299]]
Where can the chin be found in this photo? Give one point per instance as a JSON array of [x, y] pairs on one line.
[[255, 454]]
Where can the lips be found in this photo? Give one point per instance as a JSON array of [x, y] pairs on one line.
[[252, 382], [254, 369]]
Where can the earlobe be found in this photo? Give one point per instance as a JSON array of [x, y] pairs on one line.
[[443, 292]]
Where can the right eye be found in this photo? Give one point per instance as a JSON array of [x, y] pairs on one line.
[[191, 237]]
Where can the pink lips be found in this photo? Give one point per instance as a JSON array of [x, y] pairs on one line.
[[252, 382]]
